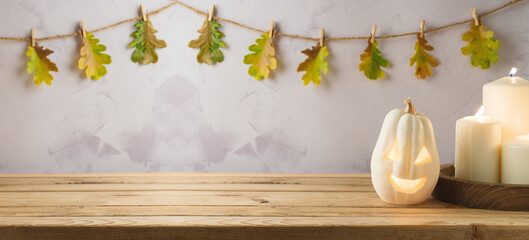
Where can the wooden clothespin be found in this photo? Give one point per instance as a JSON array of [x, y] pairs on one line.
[[83, 29], [271, 31], [143, 15], [475, 16], [422, 28], [211, 9], [321, 37], [373, 32], [33, 37]]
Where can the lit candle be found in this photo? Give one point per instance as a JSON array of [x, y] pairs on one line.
[[478, 148], [515, 161], [507, 100]]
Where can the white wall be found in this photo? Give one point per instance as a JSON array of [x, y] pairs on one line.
[[178, 115]]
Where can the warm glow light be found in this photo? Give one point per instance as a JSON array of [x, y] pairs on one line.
[[513, 71], [424, 157], [394, 152], [406, 185], [479, 113]]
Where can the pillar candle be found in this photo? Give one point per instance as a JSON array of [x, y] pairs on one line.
[[478, 141], [507, 100], [515, 161]]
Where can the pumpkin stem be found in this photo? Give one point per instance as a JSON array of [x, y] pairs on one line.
[[410, 108]]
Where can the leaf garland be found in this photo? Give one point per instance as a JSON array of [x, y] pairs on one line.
[[314, 64], [422, 59], [481, 45], [262, 59], [209, 43], [40, 64], [92, 57], [371, 61], [145, 43]]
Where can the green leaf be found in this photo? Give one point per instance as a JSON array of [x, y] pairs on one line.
[[92, 59], [145, 43], [262, 59], [314, 64], [481, 46], [40, 64], [371, 61], [209, 43], [422, 59]]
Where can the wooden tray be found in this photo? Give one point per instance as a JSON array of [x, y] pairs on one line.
[[494, 196]]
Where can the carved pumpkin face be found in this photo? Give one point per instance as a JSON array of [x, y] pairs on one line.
[[405, 162]]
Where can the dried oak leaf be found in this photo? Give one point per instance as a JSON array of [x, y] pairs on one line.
[[481, 45], [314, 64], [262, 59], [422, 59], [40, 64], [371, 62], [209, 43], [145, 43], [92, 59]]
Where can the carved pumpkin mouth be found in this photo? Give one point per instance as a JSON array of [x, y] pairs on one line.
[[406, 185]]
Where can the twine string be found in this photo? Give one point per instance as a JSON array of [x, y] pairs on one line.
[[177, 2]]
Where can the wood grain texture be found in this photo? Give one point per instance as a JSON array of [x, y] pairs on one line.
[[274, 179], [506, 197], [231, 206]]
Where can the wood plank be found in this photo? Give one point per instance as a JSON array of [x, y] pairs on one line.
[[267, 211], [231, 206], [194, 198], [257, 233], [183, 179], [258, 228], [184, 174], [236, 221], [186, 187]]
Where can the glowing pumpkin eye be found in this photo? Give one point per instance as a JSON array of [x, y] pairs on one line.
[[393, 153], [423, 157]]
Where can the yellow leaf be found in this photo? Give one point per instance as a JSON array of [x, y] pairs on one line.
[[372, 61], [262, 58], [40, 64], [92, 59], [314, 64], [481, 46], [422, 59]]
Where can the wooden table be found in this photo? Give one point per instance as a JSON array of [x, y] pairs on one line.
[[231, 206]]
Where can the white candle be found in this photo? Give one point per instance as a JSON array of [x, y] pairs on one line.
[[478, 148], [507, 100], [515, 161]]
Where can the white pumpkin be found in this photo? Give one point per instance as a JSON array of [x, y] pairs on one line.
[[405, 162]]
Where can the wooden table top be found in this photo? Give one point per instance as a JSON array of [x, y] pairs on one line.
[[231, 206]]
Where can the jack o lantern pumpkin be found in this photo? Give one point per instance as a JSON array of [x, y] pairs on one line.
[[405, 162]]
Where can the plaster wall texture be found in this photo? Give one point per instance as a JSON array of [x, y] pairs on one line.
[[181, 116]]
